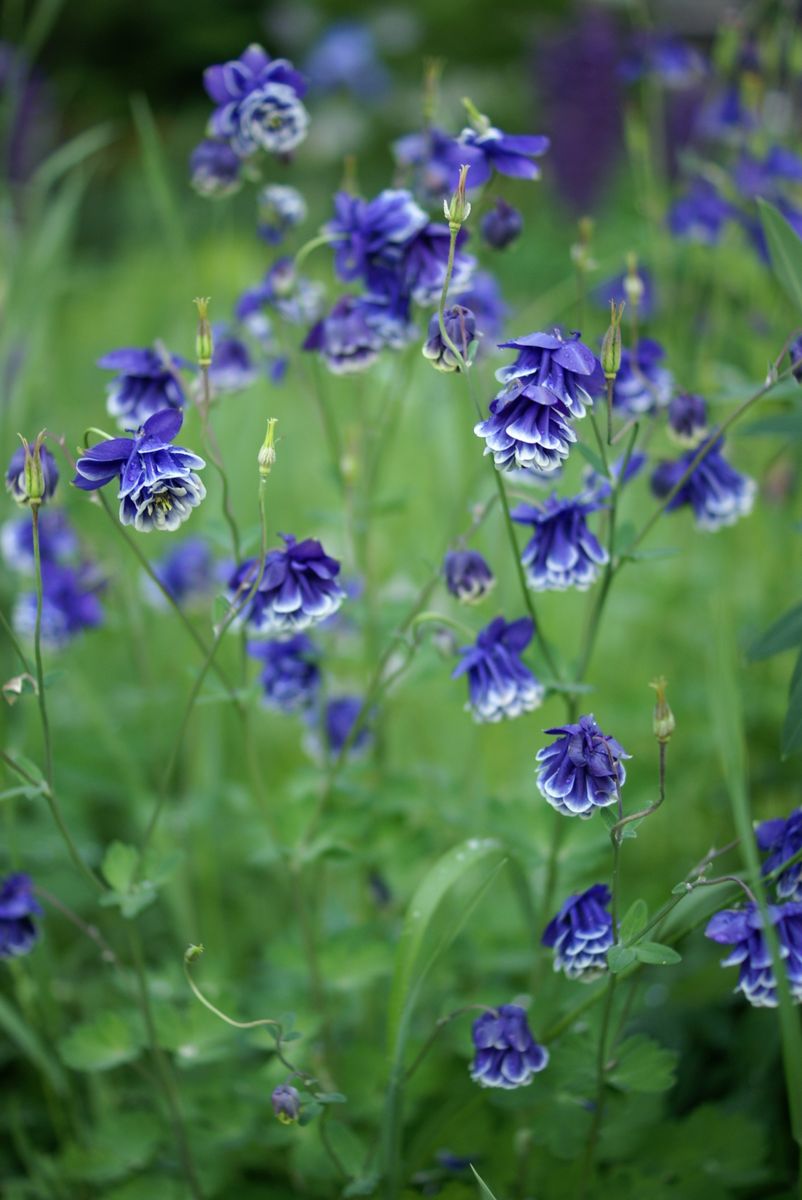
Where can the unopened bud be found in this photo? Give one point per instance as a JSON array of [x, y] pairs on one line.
[[663, 722], [193, 952], [581, 255], [459, 209], [267, 453], [611, 345], [286, 1103], [204, 342], [32, 473], [633, 284], [478, 120]]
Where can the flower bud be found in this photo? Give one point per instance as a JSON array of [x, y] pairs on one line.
[[581, 255], [204, 342], [663, 722], [267, 453], [193, 952], [286, 1103], [459, 209], [633, 284], [32, 473], [478, 120], [611, 345]]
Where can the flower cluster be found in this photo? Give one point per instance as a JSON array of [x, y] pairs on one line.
[[298, 588], [18, 907], [582, 769], [743, 930], [499, 685], [507, 1055], [581, 934], [718, 494], [562, 551]]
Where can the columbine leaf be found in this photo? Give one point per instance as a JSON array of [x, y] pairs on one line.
[[655, 954], [784, 634], [108, 1041], [643, 1065], [119, 866], [634, 920], [620, 957]]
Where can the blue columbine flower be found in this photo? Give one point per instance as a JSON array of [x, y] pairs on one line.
[[581, 934], [159, 486], [18, 906], [509, 154], [215, 170], [507, 1055], [346, 57], [435, 158], [499, 685], [146, 383], [781, 839], [502, 225], [718, 494], [286, 1103], [259, 103], [368, 233], [743, 930], [294, 297], [189, 573], [687, 419], [290, 674], [57, 540], [422, 270], [468, 577], [582, 769], [547, 385], [281, 208], [460, 326], [642, 384], [339, 719], [232, 369], [562, 551], [701, 214], [298, 588], [16, 483], [347, 338], [70, 604]]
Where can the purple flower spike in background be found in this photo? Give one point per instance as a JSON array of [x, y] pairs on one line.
[[581, 770], [743, 930], [502, 225], [581, 934], [18, 906], [215, 171], [642, 384], [562, 552], [290, 675], [145, 384], [507, 1055], [718, 494], [499, 685], [781, 839], [460, 326], [298, 589], [258, 103], [468, 577]]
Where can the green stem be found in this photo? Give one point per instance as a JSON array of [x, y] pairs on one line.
[[12, 637], [213, 451]]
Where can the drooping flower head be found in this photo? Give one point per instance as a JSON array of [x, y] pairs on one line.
[[468, 577], [743, 930], [781, 839], [581, 934], [502, 225], [582, 769], [499, 685], [423, 266], [159, 486], [232, 368], [286, 1103], [347, 338], [189, 573], [290, 673], [718, 494], [258, 103], [339, 720], [687, 419], [642, 384], [57, 540], [281, 208], [215, 171], [70, 604], [460, 326], [146, 383], [562, 551], [32, 474], [298, 588], [18, 906], [507, 1055]]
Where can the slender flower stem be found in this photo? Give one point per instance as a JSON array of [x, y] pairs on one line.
[[12, 637], [322, 239], [213, 451], [661, 795], [610, 386]]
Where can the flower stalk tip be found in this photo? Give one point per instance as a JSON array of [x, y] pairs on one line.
[[204, 341]]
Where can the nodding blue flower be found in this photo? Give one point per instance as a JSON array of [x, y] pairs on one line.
[[507, 1055], [718, 494], [290, 674], [582, 769], [298, 588], [742, 928], [339, 719], [687, 419], [18, 907], [781, 839], [562, 552], [614, 289], [146, 383], [188, 573], [347, 338], [599, 486], [57, 540], [530, 419], [468, 577], [581, 934], [701, 214], [346, 57], [676, 64], [642, 384], [367, 233], [499, 685], [70, 604], [281, 208], [18, 483], [159, 486], [486, 302], [295, 298], [424, 264], [258, 103], [460, 326], [232, 369], [435, 158], [215, 170], [502, 225], [508, 154], [286, 1103]]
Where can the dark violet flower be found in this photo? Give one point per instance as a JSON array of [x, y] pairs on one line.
[[346, 57], [189, 573], [530, 419], [281, 208], [460, 326], [339, 719], [468, 577], [781, 839], [346, 338], [562, 551], [258, 103], [159, 486], [422, 270], [215, 170], [502, 225], [146, 383], [485, 301], [32, 474], [509, 154], [743, 930], [700, 214], [435, 158], [581, 934], [298, 588], [370, 232], [687, 418], [290, 674], [507, 1056], [582, 769], [232, 369], [718, 494], [57, 540], [642, 384], [18, 907], [499, 685], [70, 604], [286, 1103]]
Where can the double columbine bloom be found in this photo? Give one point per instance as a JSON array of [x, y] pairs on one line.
[[298, 588], [499, 685], [18, 907], [146, 383], [581, 934], [468, 577], [259, 103], [350, 337], [545, 389], [718, 494], [290, 675], [562, 552], [507, 1055], [159, 486], [781, 839], [582, 769], [460, 325], [743, 930], [687, 419]]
